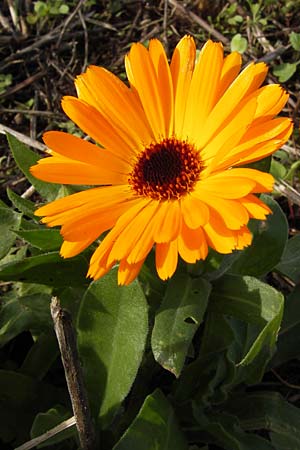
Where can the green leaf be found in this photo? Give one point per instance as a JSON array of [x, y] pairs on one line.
[[45, 421], [238, 43], [253, 302], [288, 344], [289, 264], [178, 319], [22, 397], [44, 238], [225, 431], [112, 330], [49, 269], [269, 240], [208, 378], [280, 441], [25, 158], [284, 71], [22, 204], [41, 355], [267, 411], [9, 221], [154, 428], [64, 9], [24, 313], [295, 40], [277, 169]]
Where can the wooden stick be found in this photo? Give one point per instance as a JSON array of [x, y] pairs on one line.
[[67, 343]]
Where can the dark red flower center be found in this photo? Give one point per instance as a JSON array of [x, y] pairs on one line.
[[166, 170]]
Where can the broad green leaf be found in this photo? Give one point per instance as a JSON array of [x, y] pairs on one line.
[[48, 268], [178, 319], [295, 40], [217, 264], [154, 428], [253, 302], [22, 204], [289, 264], [284, 441], [269, 240], [22, 397], [267, 411], [9, 221], [225, 431], [207, 378], [44, 238], [25, 158], [288, 344], [238, 43], [45, 421], [112, 330], [41, 355], [284, 71], [24, 313]]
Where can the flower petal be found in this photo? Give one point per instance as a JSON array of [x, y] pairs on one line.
[[166, 258], [92, 122], [130, 235], [194, 212], [203, 90], [99, 260], [128, 272], [231, 67], [256, 208], [192, 244], [115, 101], [232, 101], [168, 222], [182, 66], [232, 212], [164, 83], [142, 75]]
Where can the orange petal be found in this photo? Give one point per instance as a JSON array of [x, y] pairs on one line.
[[203, 90], [256, 208], [167, 222], [166, 258], [231, 67], [230, 103], [115, 101], [195, 213], [66, 171], [192, 244], [219, 237], [243, 238], [164, 83], [100, 257], [182, 66], [93, 123], [128, 272], [70, 249], [259, 141], [141, 72], [131, 234], [228, 137], [232, 212], [270, 101], [97, 197]]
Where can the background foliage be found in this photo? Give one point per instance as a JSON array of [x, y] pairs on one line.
[[208, 360]]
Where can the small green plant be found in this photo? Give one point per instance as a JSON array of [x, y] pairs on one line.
[[5, 81], [47, 9]]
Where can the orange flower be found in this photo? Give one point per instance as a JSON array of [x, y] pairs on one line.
[[166, 172]]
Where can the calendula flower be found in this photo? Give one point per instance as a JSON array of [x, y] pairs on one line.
[[168, 171]]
